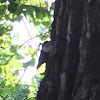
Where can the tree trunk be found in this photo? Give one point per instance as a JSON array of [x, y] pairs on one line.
[[74, 72]]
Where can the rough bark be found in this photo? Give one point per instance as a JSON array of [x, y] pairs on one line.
[[74, 72]]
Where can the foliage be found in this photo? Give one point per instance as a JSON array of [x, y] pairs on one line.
[[21, 93], [36, 12]]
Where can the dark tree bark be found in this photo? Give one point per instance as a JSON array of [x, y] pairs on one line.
[[74, 72]]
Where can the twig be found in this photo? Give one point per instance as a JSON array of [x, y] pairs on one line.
[[2, 97], [27, 29], [7, 60], [28, 41], [6, 96], [21, 77], [18, 49], [23, 44]]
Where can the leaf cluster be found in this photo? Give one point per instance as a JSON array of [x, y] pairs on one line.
[[10, 54]]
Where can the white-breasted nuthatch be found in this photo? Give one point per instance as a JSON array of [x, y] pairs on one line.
[[46, 54]]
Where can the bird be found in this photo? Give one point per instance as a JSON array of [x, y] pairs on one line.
[[46, 53]]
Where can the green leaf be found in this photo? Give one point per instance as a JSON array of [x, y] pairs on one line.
[[39, 15], [46, 24], [2, 10], [1, 90], [1, 51], [36, 23], [29, 63], [13, 49], [35, 8], [14, 63], [2, 1], [11, 1], [12, 7]]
